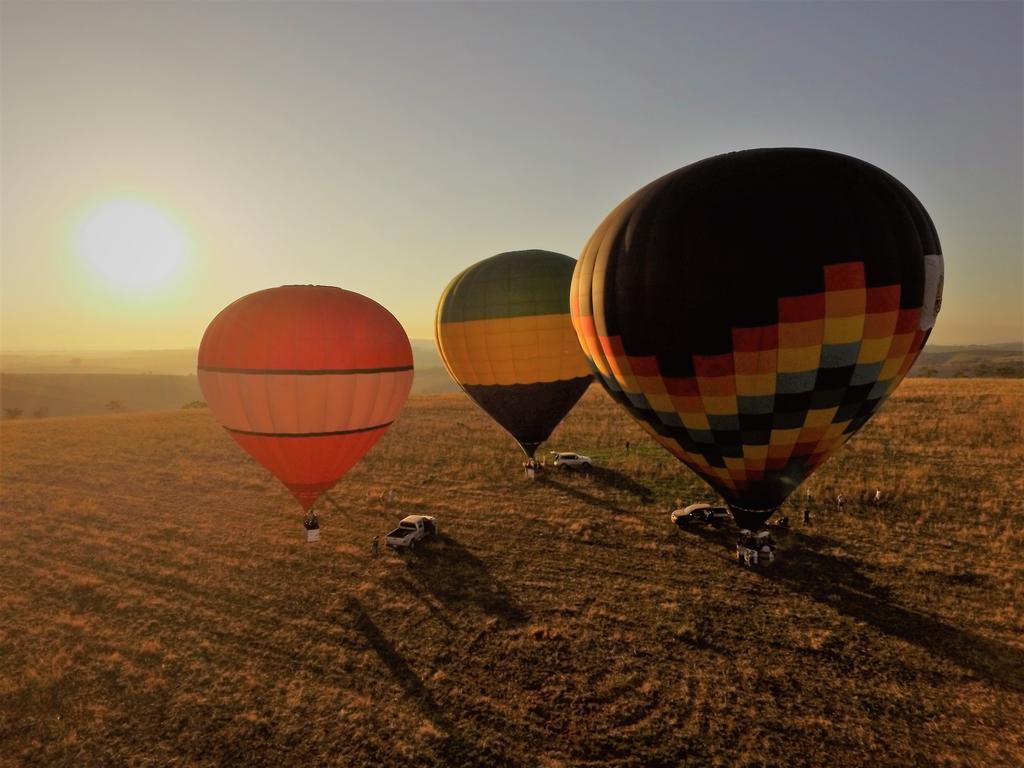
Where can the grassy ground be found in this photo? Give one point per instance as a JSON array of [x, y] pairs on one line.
[[158, 605]]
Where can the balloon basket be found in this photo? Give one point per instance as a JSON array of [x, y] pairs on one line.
[[755, 549], [312, 534]]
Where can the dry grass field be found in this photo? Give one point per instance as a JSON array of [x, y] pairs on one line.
[[158, 606]]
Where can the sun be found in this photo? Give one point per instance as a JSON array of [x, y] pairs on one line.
[[131, 245]]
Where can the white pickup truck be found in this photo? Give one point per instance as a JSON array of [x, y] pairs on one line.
[[412, 530]]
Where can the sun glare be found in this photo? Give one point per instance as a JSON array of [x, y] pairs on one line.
[[131, 245]]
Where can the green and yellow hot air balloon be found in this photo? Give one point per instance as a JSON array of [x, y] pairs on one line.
[[505, 335]]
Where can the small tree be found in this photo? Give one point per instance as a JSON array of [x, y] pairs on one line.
[[115, 406], [195, 404], [41, 413], [13, 413]]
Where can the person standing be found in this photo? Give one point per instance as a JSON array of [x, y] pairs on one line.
[[375, 546]]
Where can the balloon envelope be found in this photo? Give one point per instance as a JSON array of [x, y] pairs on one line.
[[306, 378], [753, 310], [503, 332]]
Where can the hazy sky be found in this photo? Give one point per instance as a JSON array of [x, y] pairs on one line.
[[385, 147]]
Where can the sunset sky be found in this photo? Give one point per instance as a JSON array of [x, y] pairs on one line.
[[385, 147]]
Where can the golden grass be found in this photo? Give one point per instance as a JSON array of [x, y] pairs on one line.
[[158, 607]]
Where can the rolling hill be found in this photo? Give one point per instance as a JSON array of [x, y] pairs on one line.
[[82, 383], [971, 361]]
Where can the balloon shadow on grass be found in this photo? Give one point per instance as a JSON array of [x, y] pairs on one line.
[[836, 581], [612, 478], [587, 498], [456, 578], [328, 500], [456, 749]]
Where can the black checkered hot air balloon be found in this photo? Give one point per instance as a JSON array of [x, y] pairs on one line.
[[504, 334], [753, 310]]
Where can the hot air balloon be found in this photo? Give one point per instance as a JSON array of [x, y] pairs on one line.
[[503, 332], [306, 378], [753, 310]]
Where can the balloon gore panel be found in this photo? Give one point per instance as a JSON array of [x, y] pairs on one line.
[[529, 412]]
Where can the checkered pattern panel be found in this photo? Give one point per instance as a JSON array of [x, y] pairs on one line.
[[787, 396]]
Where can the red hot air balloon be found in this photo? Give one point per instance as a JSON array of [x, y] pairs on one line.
[[306, 378]]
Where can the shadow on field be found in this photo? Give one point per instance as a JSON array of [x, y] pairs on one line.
[[458, 579], [612, 478], [334, 505], [586, 498], [838, 583], [456, 749], [724, 537]]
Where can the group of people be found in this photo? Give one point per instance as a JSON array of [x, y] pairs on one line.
[[874, 500], [530, 467]]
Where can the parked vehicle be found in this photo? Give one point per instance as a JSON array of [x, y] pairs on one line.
[[701, 514], [571, 460], [411, 531]]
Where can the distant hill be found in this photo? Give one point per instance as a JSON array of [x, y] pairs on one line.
[[174, 362], [424, 354], [76, 394], [79, 394], [78, 383], [971, 361], [981, 360]]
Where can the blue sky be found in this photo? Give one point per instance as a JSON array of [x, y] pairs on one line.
[[384, 147]]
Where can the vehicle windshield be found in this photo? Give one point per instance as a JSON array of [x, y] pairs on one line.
[[407, 525]]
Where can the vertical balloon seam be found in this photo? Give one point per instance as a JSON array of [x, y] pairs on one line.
[[323, 325]]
